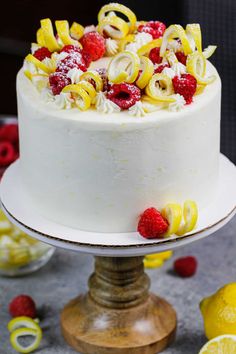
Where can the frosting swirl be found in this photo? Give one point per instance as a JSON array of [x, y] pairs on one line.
[[103, 105], [141, 39], [137, 110], [47, 96], [63, 100], [74, 74], [111, 47], [178, 104], [179, 68]]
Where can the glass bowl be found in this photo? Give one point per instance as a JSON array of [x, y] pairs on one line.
[[19, 253]]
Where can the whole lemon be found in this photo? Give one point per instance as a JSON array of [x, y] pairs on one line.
[[219, 312]]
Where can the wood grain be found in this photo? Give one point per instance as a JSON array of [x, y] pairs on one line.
[[118, 315]]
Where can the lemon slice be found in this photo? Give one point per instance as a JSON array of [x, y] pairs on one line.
[[5, 226], [146, 48], [22, 321], [209, 51], [150, 105], [225, 344], [200, 89], [48, 35], [153, 263], [126, 40], [124, 67], [173, 213], [22, 332], [88, 87], [76, 30], [114, 26], [162, 255], [83, 99], [160, 88], [196, 65], [190, 217], [24, 326], [40, 38], [147, 68], [93, 75], [194, 34], [121, 9], [64, 33], [38, 64], [175, 31]]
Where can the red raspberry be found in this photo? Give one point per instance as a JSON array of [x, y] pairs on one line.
[[154, 55], [124, 95], [186, 86], [94, 45], [73, 60], [87, 58], [22, 305], [161, 67], [182, 58], [70, 48], [9, 132], [7, 153], [58, 81], [42, 53], [152, 224], [185, 266], [155, 28]]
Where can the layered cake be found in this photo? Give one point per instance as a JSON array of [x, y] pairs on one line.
[[117, 118]]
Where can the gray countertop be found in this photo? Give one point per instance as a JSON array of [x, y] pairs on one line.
[[66, 275]]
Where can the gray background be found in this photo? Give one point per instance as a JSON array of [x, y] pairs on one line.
[[66, 276]]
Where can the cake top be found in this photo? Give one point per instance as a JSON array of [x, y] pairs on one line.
[[118, 65]]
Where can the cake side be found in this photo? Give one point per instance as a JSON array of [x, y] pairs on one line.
[[98, 172]]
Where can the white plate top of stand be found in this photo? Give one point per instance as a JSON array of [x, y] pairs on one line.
[[22, 212]]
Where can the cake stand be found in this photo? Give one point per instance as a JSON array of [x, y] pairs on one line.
[[118, 315]]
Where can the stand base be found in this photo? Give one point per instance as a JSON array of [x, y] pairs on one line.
[[118, 315], [145, 329]]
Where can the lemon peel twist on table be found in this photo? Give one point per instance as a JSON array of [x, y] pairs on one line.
[[21, 327]]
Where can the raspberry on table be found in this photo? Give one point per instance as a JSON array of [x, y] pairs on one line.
[[155, 28], [185, 85], [42, 53], [160, 68], [124, 95], [94, 45], [154, 56], [73, 60], [7, 153], [58, 81], [186, 266], [152, 224], [22, 305], [182, 58]]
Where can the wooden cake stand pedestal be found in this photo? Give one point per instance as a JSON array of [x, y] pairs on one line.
[[118, 315]]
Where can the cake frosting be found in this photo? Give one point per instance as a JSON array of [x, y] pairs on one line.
[[98, 169]]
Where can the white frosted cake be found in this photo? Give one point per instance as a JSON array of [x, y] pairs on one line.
[[96, 160]]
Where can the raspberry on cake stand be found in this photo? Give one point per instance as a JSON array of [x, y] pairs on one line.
[[118, 315]]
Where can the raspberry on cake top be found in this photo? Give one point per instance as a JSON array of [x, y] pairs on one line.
[[142, 66]]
